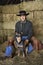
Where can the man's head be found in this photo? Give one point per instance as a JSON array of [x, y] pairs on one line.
[[22, 15], [22, 18]]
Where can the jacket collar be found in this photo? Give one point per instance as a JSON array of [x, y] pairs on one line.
[[23, 21]]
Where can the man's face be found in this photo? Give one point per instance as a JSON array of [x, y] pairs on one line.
[[23, 17]]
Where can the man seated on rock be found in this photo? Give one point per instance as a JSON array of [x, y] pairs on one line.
[[24, 31]]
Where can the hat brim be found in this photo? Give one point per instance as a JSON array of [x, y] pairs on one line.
[[23, 14]]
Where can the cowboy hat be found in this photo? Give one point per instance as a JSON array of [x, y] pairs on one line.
[[22, 12]]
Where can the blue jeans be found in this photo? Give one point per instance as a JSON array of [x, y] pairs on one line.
[[23, 38]]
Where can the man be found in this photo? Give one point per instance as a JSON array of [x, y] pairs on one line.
[[24, 31]]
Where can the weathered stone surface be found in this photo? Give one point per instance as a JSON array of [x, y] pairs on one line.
[[9, 25], [38, 14], [10, 17], [39, 0], [30, 16], [38, 22], [38, 28], [1, 25], [10, 9], [1, 17], [25, 5], [9, 21], [0, 9], [35, 5]]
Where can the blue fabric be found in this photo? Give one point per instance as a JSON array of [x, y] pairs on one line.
[[30, 48], [8, 51], [24, 37]]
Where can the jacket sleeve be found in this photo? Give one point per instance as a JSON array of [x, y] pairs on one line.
[[16, 27], [16, 31], [30, 32]]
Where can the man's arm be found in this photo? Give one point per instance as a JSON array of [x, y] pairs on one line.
[[16, 28], [30, 33], [17, 34]]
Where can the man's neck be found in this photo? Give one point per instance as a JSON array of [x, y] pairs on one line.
[[23, 21]]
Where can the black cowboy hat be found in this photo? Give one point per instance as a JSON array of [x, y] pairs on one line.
[[22, 12]]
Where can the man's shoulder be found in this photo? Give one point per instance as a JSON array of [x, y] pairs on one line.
[[18, 22], [29, 22]]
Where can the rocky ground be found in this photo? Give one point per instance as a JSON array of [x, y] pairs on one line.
[[33, 58]]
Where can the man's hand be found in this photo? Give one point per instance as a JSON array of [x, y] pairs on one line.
[[26, 42]]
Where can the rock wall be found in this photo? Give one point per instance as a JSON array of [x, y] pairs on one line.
[[8, 16]]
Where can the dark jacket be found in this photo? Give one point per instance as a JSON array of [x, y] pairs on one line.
[[24, 27]]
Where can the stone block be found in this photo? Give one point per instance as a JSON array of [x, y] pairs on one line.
[[10, 9], [39, 0], [30, 16], [38, 15], [10, 17], [1, 17], [38, 28], [35, 5], [0, 9], [25, 5], [8, 25], [9, 21], [1, 25]]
